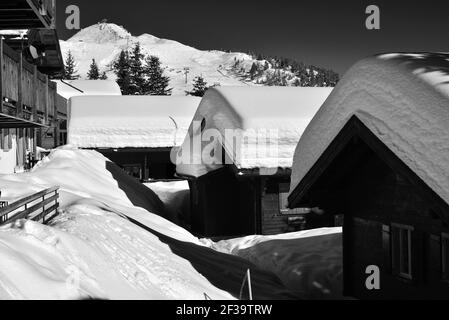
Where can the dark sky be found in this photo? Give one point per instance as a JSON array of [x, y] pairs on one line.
[[326, 33]]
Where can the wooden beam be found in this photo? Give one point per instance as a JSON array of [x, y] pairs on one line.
[[55, 117], [38, 14], [35, 95], [1, 75], [47, 100], [19, 107]]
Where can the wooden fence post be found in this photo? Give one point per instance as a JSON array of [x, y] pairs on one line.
[[1, 74], [47, 98], [35, 95], [19, 106], [55, 117]]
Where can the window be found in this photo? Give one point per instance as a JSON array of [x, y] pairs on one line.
[[283, 202], [445, 256], [283, 199], [402, 250]]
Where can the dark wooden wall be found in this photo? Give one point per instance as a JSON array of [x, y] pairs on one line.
[[273, 222], [371, 195], [224, 206], [155, 164]]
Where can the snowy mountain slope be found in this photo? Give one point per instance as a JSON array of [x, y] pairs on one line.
[[104, 41]]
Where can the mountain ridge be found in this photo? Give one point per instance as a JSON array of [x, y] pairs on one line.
[[104, 42]]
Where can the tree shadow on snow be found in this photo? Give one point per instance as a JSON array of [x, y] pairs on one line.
[[425, 62]]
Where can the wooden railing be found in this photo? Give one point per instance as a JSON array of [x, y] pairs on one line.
[[25, 92], [36, 207]]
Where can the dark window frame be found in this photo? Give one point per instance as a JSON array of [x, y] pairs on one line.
[[400, 268], [445, 256]]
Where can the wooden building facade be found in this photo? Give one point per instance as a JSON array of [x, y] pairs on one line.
[[142, 163], [240, 187], [138, 133], [392, 219], [381, 168], [27, 96], [228, 202]]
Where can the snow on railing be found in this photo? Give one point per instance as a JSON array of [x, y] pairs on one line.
[[35, 207]]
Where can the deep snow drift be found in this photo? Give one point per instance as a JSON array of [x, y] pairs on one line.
[[91, 243], [103, 246], [403, 99], [268, 120], [129, 121], [308, 262]]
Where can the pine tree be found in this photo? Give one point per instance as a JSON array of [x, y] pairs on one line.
[[93, 73], [103, 76], [254, 70], [121, 69], [199, 87], [70, 72], [137, 71], [156, 83]]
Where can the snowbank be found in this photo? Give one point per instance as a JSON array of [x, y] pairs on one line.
[[308, 262], [91, 243], [403, 100], [103, 246], [269, 120], [129, 121]]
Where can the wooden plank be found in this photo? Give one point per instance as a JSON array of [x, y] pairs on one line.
[[19, 106], [45, 212], [27, 66], [27, 88], [10, 78], [35, 94], [1, 75], [10, 53], [47, 101]]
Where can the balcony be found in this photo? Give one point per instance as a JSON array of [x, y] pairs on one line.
[[27, 14], [28, 98]]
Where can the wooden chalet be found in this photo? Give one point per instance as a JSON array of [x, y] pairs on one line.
[[137, 133], [28, 58], [382, 168], [245, 192]]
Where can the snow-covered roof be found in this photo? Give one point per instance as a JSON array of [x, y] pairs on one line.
[[129, 121], [270, 119], [404, 100], [72, 88]]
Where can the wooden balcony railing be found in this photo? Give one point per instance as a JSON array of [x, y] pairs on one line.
[[41, 206], [27, 14], [25, 92]]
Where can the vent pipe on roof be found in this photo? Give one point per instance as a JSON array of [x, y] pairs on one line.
[[176, 130]]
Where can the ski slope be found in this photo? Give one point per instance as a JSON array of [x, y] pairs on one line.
[[104, 42]]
